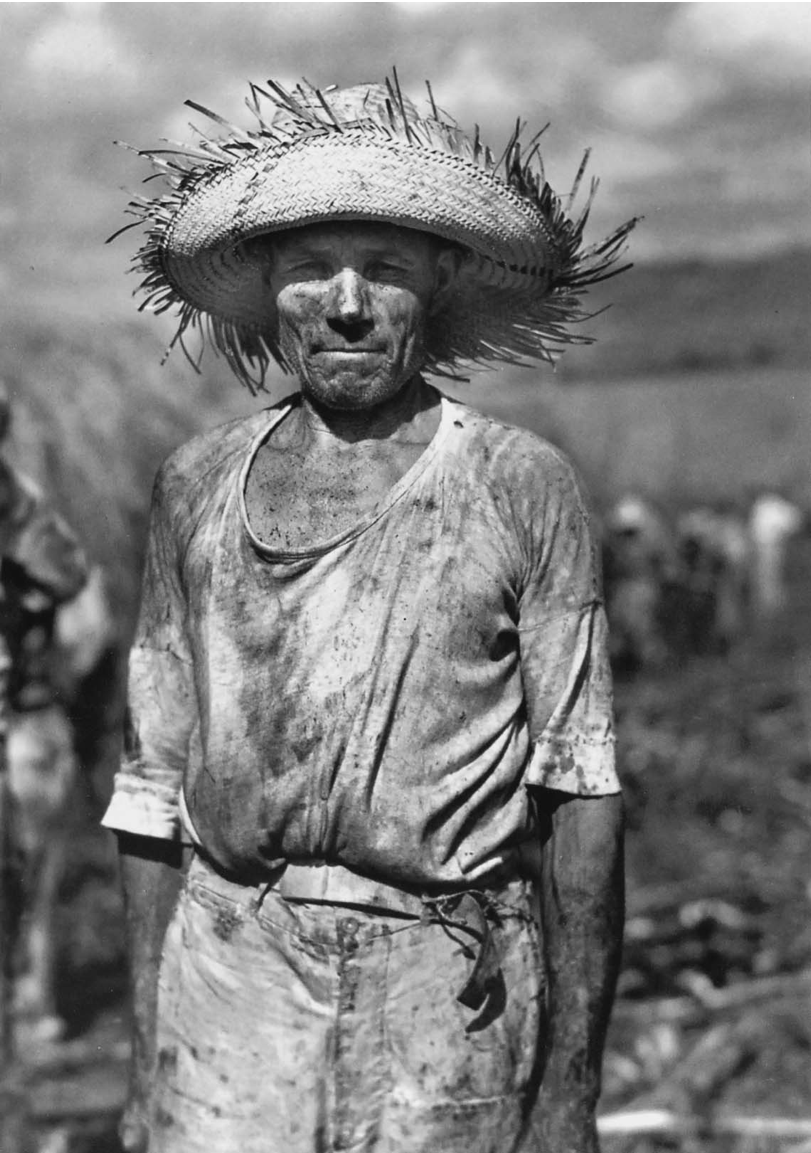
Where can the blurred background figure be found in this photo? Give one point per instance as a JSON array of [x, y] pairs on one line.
[[639, 563], [56, 626], [713, 579], [696, 580], [773, 522]]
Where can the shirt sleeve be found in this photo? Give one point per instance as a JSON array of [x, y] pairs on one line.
[[564, 649], [162, 702]]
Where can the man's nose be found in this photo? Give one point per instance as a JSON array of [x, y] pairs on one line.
[[349, 301]]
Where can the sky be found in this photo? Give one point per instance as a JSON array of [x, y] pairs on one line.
[[697, 114]]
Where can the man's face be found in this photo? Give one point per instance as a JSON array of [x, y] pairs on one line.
[[352, 301]]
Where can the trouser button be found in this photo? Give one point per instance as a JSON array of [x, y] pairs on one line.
[[348, 933]]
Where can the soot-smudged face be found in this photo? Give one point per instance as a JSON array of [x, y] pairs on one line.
[[353, 299]]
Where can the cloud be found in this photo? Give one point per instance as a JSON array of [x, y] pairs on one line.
[[697, 113], [626, 160], [83, 8], [768, 45], [418, 8], [474, 82], [711, 55], [77, 48], [656, 94]]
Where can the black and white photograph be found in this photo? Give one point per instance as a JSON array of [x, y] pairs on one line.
[[405, 576]]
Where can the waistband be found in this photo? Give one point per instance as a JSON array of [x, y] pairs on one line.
[[338, 885], [471, 912], [331, 884]]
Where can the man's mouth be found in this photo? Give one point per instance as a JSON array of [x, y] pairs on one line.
[[349, 350], [327, 346]]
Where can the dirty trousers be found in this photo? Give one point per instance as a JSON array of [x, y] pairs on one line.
[[293, 1027]]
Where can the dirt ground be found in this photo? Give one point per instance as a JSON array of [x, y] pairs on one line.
[[711, 1036], [713, 1021]]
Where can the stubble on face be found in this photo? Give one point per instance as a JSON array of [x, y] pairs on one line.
[[352, 301]]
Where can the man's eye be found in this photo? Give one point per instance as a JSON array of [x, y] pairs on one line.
[[307, 270], [385, 270]]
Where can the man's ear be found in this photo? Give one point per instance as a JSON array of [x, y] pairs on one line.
[[448, 263]]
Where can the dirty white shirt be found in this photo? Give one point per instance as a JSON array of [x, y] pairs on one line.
[[380, 700]]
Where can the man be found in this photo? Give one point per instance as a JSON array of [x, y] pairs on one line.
[[369, 684]]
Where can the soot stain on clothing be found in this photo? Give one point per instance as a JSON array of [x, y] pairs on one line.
[[167, 1060], [163, 1118], [225, 922]]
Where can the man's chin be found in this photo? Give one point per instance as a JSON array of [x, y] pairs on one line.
[[352, 390]]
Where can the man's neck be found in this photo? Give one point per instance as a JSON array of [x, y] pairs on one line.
[[320, 474], [410, 416]]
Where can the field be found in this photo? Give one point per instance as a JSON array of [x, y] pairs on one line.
[[713, 1023], [714, 1016], [697, 436]]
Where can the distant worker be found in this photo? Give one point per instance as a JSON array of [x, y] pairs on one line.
[[773, 521], [714, 556], [638, 562]]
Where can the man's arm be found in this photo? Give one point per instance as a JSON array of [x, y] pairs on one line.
[[144, 810], [151, 875], [582, 913], [571, 773]]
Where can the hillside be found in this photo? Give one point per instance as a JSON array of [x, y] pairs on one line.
[[698, 436], [683, 317]]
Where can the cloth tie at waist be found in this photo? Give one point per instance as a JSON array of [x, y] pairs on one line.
[[470, 913]]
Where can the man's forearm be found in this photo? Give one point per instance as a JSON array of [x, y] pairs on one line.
[[151, 875], [582, 906]]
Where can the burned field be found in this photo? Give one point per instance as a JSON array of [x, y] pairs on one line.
[[710, 1044], [711, 1037]]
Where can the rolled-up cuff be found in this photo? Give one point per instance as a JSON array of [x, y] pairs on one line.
[[143, 809], [583, 768]]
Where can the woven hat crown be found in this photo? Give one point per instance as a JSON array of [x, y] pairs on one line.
[[358, 153]]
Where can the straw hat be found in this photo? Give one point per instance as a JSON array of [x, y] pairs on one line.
[[366, 153]]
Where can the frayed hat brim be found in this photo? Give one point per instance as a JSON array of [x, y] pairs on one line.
[[365, 154]]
